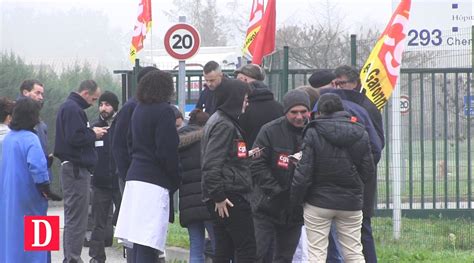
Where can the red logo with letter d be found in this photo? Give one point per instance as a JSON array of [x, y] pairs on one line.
[[41, 233]]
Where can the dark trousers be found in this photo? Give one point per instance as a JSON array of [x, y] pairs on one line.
[[102, 200], [75, 183], [368, 243], [285, 238], [234, 234], [144, 254]]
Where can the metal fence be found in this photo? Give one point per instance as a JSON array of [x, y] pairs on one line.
[[437, 103]]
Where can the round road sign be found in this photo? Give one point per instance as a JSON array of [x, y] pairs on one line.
[[404, 104], [182, 41]]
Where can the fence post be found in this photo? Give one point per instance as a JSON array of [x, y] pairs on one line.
[[284, 82], [136, 69], [353, 50]]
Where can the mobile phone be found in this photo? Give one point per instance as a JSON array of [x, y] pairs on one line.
[[254, 151]]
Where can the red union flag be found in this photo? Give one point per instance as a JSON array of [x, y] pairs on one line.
[[256, 15], [142, 26], [265, 39], [380, 72], [41, 233]]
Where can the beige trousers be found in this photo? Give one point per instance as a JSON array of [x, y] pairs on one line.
[[348, 223]]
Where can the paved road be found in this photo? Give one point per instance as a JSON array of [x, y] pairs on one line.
[[113, 254]]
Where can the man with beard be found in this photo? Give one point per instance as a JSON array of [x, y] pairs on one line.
[[105, 186], [213, 76]]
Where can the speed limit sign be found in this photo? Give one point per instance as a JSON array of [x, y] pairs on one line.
[[182, 41], [404, 104]]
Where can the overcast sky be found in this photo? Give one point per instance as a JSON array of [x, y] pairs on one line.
[[371, 14], [122, 13]]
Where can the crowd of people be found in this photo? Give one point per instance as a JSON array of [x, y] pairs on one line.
[[258, 180]]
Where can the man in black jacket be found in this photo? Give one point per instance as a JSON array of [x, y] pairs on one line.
[[226, 178], [262, 106], [272, 172], [105, 187], [213, 76], [74, 146]]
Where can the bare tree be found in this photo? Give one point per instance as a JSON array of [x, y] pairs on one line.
[[204, 16]]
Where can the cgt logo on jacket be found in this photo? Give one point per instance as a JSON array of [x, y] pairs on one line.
[[41, 233], [283, 161], [241, 149]]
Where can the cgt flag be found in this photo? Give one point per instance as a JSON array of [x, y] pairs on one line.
[[142, 26], [254, 27], [380, 72], [265, 39]]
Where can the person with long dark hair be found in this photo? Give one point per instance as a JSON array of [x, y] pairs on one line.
[[153, 173], [24, 183], [193, 213]]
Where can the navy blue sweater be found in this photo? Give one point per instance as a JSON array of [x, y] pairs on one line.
[[154, 146], [74, 138], [119, 140]]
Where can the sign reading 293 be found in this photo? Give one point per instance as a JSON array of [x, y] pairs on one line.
[[424, 37]]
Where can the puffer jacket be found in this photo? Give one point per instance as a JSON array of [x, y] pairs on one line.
[[273, 172], [224, 159], [191, 207], [336, 163]]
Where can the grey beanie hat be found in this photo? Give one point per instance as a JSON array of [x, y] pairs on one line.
[[294, 98]]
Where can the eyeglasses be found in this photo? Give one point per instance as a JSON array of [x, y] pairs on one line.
[[341, 82]]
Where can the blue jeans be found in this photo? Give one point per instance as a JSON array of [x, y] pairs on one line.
[[334, 248], [197, 240]]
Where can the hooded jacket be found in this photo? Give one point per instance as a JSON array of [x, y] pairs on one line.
[[262, 109], [335, 165], [191, 207], [364, 102], [224, 164]]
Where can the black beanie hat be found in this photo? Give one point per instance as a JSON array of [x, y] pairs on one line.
[[294, 98], [329, 103], [321, 77], [110, 98]]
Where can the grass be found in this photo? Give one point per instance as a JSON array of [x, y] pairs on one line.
[[422, 240], [177, 235]]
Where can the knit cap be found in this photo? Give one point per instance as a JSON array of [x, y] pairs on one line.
[[294, 98], [110, 98]]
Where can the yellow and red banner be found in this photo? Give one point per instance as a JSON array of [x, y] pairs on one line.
[[265, 40], [256, 15], [381, 70], [142, 26]]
